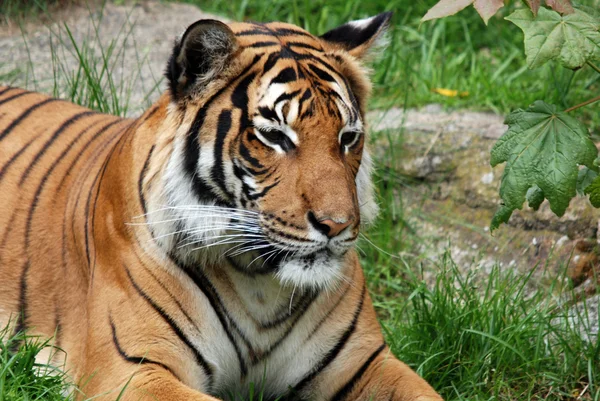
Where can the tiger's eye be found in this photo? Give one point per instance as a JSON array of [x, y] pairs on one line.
[[277, 137], [274, 136], [348, 138]]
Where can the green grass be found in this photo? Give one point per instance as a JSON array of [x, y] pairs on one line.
[[473, 339], [21, 378], [483, 341]]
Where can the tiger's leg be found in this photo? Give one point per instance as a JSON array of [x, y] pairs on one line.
[[152, 384]]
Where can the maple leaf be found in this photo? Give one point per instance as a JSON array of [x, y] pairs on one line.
[[543, 149], [571, 39]]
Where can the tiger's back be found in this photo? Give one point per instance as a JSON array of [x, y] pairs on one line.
[[50, 153]]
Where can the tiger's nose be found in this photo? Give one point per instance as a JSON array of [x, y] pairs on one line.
[[327, 226]]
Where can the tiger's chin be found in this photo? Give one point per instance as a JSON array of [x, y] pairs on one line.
[[320, 270]]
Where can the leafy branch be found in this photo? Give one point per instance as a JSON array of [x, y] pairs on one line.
[[548, 154]]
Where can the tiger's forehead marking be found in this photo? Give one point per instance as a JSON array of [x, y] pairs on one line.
[[255, 35], [306, 81]]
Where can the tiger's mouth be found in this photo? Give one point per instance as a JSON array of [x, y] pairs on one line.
[[318, 269]]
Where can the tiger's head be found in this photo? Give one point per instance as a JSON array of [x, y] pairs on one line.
[[269, 167]]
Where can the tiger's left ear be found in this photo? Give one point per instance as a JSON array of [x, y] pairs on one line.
[[357, 37], [204, 51]]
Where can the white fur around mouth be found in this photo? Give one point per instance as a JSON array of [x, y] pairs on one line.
[[319, 270]]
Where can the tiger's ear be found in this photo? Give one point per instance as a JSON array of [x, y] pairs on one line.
[[357, 37], [204, 50]]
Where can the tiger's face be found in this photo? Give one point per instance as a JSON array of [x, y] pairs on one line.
[[270, 169]]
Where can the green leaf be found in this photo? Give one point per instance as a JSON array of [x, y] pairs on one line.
[[584, 179], [543, 147], [593, 190], [571, 39], [535, 197]]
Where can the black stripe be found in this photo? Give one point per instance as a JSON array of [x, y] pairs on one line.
[[83, 149], [287, 96], [321, 73], [213, 298], [333, 353], [299, 308], [239, 96], [44, 179], [164, 287], [262, 193], [8, 99], [245, 153], [23, 116], [263, 44], [327, 65], [23, 314], [141, 179], [286, 75], [49, 142], [6, 89], [252, 32], [8, 227], [305, 96], [349, 386], [306, 305], [304, 46], [176, 329], [324, 318], [15, 157], [270, 63], [217, 171], [268, 113], [290, 32], [133, 359]]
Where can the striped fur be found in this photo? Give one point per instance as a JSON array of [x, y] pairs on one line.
[[207, 244]]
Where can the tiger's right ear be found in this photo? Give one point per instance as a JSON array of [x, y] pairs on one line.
[[204, 50]]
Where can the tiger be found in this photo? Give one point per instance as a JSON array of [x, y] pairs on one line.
[[207, 246]]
